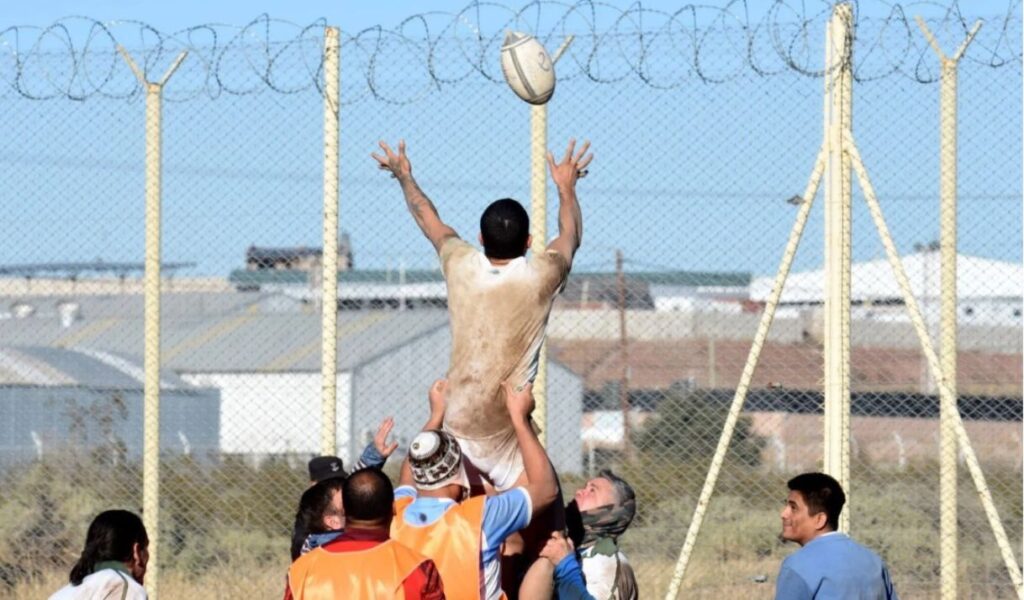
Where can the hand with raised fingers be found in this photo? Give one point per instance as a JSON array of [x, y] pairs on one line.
[[396, 164], [380, 440], [438, 393], [519, 400], [573, 165], [557, 548]]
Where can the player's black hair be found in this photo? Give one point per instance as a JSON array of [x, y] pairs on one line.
[[314, 506], [821, 493], [504, 227], [368, 496], [112, 536]]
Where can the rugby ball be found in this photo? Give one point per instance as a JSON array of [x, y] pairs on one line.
[[528, 68]]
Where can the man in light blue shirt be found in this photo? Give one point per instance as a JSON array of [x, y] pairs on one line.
[[829, 564]]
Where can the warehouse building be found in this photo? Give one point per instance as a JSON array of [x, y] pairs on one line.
[[261, 353], [55, 400]]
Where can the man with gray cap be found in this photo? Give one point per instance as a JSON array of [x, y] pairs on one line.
[[463, 536], [599, 514]]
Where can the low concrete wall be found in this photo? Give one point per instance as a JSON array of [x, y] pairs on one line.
[[659, 325], [794, 441], [789, 327]]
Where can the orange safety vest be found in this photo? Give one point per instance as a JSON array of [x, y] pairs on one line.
[[452, 542], [375, 573]]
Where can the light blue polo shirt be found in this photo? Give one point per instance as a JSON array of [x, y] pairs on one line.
[[832, 566]]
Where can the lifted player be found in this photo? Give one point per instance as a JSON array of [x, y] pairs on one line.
[[499, 302]]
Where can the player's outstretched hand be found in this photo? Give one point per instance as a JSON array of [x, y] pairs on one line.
[[519, 400], [438, 393], [380, 440], [397, 164], [573, 166], [557, 548]]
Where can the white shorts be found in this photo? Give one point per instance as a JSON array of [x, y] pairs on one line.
[[495, 458]]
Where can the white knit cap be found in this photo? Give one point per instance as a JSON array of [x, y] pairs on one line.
[[436, 460]]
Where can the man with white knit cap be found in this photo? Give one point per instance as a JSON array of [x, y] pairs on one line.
[[435, 516]]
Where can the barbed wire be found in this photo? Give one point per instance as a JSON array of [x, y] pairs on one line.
[[76, 57]]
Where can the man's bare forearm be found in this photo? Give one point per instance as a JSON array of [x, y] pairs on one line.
[[417, 202], [424, 212], [434, 422], [570, 217], [541, 482]]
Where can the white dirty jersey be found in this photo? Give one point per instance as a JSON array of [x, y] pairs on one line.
[[608, 577], [498, 316], [114, 584]]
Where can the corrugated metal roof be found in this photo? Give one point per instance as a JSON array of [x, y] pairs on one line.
[[92, 307], [17, 368], [59, 367], [234, 332]]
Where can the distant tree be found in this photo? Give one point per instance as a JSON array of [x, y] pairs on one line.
[[688, 425]]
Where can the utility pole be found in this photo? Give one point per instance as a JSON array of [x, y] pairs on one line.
[[627, 429], [712, 373]]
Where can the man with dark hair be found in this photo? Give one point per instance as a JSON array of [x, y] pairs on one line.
[[367, 496], [499, 303], [327, 468], [363, 562], [434, 515], [829, 564], [504, 230], [320, 516]]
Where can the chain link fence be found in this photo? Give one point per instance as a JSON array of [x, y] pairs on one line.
[[705, 123]]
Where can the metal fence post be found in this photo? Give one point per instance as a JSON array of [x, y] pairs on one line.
[[838, 196], [329, 262], [948, 320], [760, 338], [539, 231], [946, 393], [151, 318]]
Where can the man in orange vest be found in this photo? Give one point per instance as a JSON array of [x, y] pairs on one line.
[[363, 563], [464, 536]]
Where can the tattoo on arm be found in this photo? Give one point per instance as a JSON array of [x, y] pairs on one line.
[[425, 213], [417, 201]]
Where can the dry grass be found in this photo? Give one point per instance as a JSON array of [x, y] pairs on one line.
[[257, 583], [233, 544]]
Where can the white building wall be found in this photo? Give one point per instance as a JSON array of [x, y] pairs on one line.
[[396, 383], [275, 413], [565, 417]]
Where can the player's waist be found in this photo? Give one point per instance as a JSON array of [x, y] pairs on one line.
[[472, 426]]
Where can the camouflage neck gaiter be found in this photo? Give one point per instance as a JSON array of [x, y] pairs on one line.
[[607, 521]]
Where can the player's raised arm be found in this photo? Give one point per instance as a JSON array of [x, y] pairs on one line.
[[541, 482], [570, 219], [436, 395], [420, 206]]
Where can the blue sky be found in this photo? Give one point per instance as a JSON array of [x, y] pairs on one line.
[[353, 15], [243, 170]]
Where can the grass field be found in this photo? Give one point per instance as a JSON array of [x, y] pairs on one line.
[[226, 526]]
